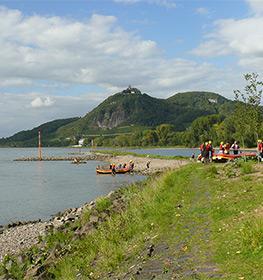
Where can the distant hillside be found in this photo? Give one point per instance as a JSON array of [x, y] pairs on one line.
[[136, 109], [208, 101], [127, 111], [29, 138]]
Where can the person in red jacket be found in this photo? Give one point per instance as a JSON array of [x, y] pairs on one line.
[[206, 152], [260, 149], [222, 148], [202, 148], [227, 148], [212, 151], [235, 147]]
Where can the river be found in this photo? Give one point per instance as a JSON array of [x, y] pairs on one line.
[[31, 190]]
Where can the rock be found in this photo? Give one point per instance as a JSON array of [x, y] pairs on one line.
[[79, 211], [93, 218], [58, 223]]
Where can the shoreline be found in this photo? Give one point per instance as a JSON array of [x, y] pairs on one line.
[[19, 236]]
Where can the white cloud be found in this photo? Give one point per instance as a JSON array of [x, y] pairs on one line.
[[241, 38], [256, 6], [40, 102], [211, 49], [38, 48]]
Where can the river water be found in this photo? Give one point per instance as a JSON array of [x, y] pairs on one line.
[[30, 190]]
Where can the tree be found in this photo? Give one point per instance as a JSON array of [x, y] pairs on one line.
[[164, 131], [150, 138], [203, 128], [247, 113]]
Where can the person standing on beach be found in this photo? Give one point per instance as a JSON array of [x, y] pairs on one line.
[[202, 148], [260, 149], [222, 148], [148, 163], [227, 148], [235, 147], [206, 153], [211, 149]]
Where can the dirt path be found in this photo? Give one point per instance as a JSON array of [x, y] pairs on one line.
[[183, 252]]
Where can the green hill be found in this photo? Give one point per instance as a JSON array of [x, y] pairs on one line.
[[128, 111], [208, 101], [28, 138], [141, 110]]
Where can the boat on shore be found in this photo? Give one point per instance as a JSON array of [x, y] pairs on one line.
[[117, 170], [228, 157]]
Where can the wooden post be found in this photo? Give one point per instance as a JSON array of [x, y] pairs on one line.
[[39, 146]]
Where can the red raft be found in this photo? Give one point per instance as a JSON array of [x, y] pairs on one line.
[[227, 157], [117, 171]]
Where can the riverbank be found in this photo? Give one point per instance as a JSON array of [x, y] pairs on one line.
[[17, 236], [196, 222]]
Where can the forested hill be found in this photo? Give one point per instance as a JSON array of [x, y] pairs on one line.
[[132, 108], [131, 111], [29, 137], [208, 101]]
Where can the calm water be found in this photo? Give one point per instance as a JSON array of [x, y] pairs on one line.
[[32, 190]]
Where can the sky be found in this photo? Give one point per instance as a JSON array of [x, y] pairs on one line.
[[60, 59]]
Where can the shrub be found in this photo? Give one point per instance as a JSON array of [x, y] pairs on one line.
[[247, 168], [103, 203]]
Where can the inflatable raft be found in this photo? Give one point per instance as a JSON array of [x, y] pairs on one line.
[[227, 157], [117, 171]]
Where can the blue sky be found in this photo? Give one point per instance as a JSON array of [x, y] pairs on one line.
[[60, 59]]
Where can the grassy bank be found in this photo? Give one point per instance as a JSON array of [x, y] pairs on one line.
[[203, 213], [120, 153]]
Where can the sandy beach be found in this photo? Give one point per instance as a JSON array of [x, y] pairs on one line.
[[140, 163]]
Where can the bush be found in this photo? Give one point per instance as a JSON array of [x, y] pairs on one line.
[[103, 203], [247, 168]]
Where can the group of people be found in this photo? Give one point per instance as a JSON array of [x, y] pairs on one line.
[[225, 148], [207, 150], [122, 165]]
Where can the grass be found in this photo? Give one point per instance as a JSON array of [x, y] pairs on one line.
[[188, 200], [120, 153]]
